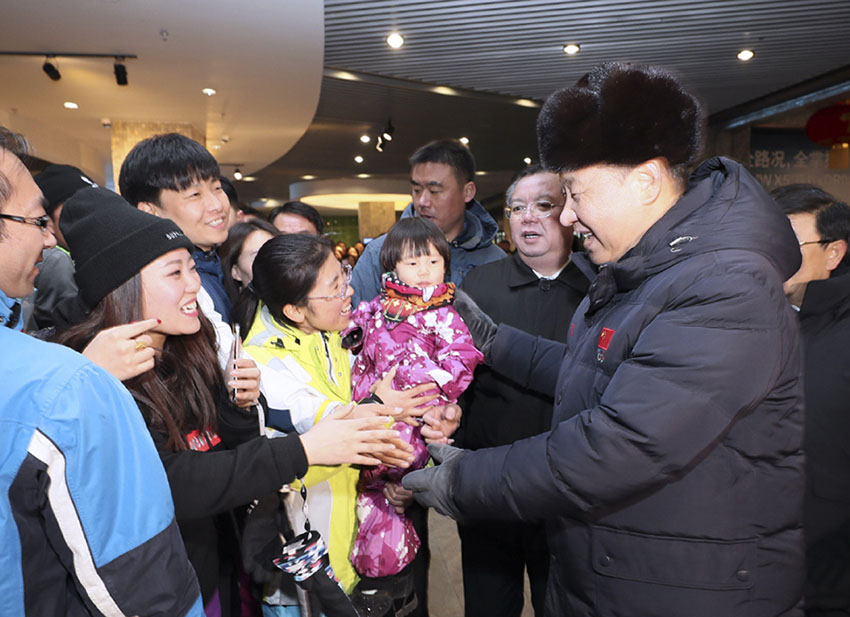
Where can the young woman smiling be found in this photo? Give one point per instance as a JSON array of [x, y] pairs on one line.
[[133, 266]]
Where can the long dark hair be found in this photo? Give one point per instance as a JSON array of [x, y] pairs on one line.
[[231, 249], [285, 271], [177, 395]]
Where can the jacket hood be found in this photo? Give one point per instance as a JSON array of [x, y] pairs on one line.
[[479, 228], [723, 208]]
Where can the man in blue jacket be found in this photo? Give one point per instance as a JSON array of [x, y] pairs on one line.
[[86, 519], [672, 480], [442, 183]]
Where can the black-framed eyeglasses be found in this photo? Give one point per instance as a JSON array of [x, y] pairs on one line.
[[343, 291], [38, 221], [805, 242], [538, 209]]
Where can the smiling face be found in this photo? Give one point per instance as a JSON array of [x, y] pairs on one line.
[[603, 205], [325, 310], [170, 286], [421, 270], [439, 197], [20, 243], [200, 211], [543, 243], [242, 270]]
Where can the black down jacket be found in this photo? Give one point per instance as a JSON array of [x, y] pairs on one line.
[[672, 480]]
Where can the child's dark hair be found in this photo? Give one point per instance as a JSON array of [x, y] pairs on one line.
[[413, 235], [170, 161], [285, 270]]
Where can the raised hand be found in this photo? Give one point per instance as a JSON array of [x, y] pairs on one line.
[[125, 350]]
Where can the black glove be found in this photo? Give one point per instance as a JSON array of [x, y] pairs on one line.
[[481, 327], [432, 486]]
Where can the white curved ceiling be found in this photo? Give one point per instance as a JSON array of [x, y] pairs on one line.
[[264, 59]]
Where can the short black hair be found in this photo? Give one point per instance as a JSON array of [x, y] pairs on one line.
[[448, 152], [230, 191], [11, 143], [416, 235], [529, 170], [832, 216], [164, 162], [299, 208]]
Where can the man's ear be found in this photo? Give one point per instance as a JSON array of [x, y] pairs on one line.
[[295, 314], [650, 177], [835, 253], [468, 192], [150, 208]]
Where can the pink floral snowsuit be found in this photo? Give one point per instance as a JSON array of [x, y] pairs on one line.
[[429, 345]]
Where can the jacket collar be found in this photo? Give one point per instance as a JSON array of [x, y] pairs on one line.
[[827, 296], [10, 312], [520, 274], [479, 228]]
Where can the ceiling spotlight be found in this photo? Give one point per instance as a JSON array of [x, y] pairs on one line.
[[395, 40], [464, 141], [572, 49], [379, 146], [120, 71], [527, 160], [208, 91], [746, 54], [365, 139], [216, 146], [249, 179], [237, 175], [358, 159], [70, 105], [308, 177], [50, 69], [388, 131]]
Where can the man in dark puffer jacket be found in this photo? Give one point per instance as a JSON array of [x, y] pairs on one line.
[[672, 479]]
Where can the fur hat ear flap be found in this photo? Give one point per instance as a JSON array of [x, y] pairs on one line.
[[620, 114]]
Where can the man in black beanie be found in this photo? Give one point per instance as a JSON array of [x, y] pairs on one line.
[[55, 282], [672, 479]]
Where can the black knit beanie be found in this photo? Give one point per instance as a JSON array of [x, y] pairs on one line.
[[59, 182], [111, 241]]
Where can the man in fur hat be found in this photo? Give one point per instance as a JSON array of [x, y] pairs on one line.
[[672, 479]]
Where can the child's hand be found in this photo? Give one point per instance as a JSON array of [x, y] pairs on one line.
[[410, 401], [398, 496], [244, 377], [440, 423]]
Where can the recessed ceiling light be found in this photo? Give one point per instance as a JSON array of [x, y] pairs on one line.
[[208, 91], [358, 159], [444, 90], [526, 103], [237, 175], [395, 40], [464, 141], [527, 160], [216, 146], [70, 105], [480, 173], [249, 178], [572, 49], [746, 54], [308, 177], [363, 176], [365, 139]]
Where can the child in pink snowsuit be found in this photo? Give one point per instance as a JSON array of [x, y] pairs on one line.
[[413, 327]]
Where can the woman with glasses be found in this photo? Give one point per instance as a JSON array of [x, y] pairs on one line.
[[298, 302], [132, 266]]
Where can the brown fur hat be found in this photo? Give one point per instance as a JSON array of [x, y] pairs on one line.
[[620, 114]]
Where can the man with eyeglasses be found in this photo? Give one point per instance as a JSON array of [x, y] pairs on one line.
[[76, 457], [536, 290], [820, 291]]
